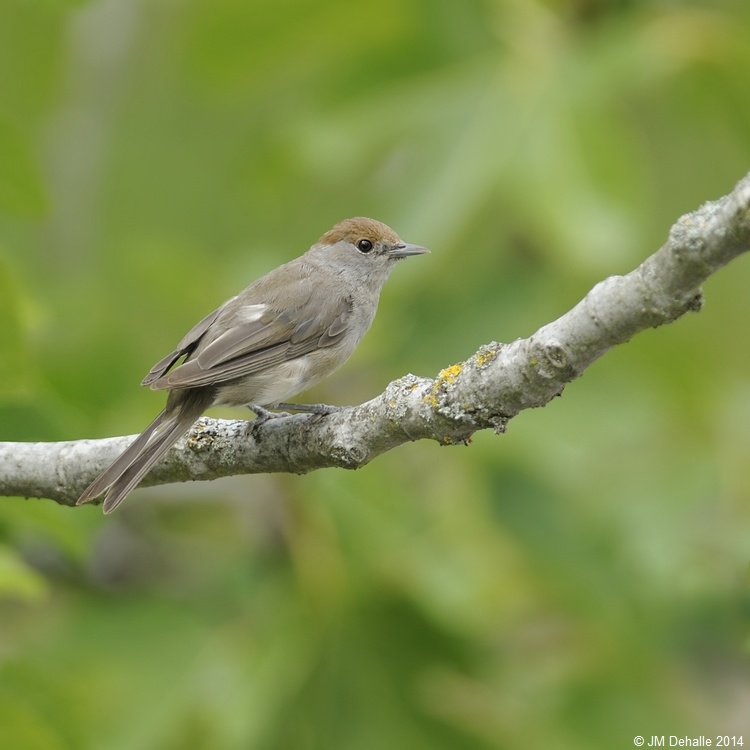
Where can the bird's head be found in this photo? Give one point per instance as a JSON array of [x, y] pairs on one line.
[[363, 250]]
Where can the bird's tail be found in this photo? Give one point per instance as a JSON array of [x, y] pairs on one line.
[[140, 456]]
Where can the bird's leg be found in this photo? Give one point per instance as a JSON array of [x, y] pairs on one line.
[[317, 410], [320, 410]]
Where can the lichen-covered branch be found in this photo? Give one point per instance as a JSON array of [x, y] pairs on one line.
[[485, 391]]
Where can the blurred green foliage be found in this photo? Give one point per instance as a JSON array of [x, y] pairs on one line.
[[576, 582]]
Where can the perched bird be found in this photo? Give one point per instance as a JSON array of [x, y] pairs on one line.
[[280, 336]]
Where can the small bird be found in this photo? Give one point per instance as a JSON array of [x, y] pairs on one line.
[[280, 336]]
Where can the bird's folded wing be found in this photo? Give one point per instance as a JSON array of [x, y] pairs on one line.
[[186, 346], [268, 337]]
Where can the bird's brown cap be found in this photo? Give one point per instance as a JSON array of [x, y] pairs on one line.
[[360, 228]]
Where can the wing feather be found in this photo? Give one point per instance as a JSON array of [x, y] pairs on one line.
[[215, 355], [186, 346]]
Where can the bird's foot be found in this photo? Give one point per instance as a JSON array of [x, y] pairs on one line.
[[262, 415]]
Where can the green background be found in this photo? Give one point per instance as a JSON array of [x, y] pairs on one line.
[[576, 582]]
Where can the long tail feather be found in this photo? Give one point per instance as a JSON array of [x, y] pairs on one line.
[[159, 445], [105, 480], [145, 451]]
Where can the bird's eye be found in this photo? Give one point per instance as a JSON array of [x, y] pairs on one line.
[[364, 246]]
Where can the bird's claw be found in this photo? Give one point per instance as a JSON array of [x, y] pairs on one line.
[[262, 415]]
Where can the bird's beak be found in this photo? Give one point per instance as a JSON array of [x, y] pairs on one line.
[[405, 250]]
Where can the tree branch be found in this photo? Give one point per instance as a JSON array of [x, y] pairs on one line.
[[485, 391]]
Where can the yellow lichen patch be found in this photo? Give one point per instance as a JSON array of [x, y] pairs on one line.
[[482, 358], [445, 377], [431, 399], [449, 374]]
